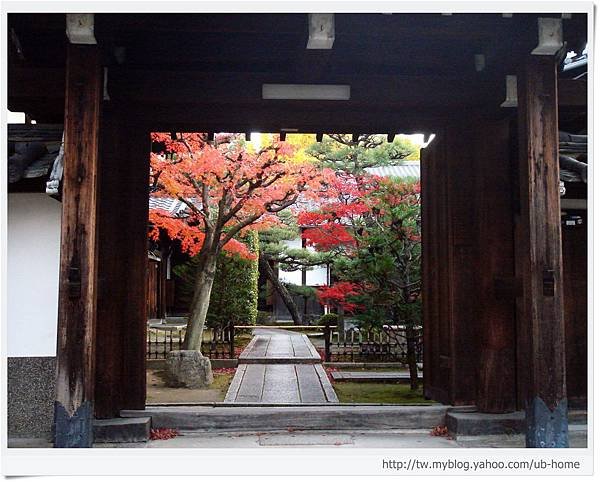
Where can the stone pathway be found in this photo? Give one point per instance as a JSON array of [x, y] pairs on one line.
[[279, 346], [280, 367]]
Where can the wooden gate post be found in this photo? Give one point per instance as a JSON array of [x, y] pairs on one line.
[[539, 260], [123, 259], [73, 408], [133, 381], [497, 288]]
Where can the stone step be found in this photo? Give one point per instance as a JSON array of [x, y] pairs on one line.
[[578, 416], [278, 360], [476, 423], [272, 347], [373, 377], [369, 365], [130, 429], [299, 417]]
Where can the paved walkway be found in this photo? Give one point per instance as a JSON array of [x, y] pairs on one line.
[[280, 367], [279, 346]]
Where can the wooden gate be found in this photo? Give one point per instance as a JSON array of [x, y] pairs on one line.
[[468, 266]]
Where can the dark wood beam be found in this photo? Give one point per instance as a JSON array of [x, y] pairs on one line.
[[575, 269], [309, 118], [152, 86], [457, 216], [234, 89], [122, 248], [404, 43], [496, 391], [36, 82], [78, 258], [39, 92], [112, 264], [135, 251], [470, 26], [437, 373], [407, 94], [449, 265], [200, 23], [539, 259], [572, 93]]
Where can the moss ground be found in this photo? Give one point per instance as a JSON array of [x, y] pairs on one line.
[[398, 393]]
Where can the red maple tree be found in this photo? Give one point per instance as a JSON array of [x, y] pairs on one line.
[[337, 223], [337, 295], [227, 188]]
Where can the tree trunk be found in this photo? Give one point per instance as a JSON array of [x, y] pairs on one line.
[[204, 283], [411, 338], [411, 356], [341, 327], [288, 300]]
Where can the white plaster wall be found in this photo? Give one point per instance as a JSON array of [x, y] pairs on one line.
[[32, 281], [294, 277], [317, 276], [293, 243]]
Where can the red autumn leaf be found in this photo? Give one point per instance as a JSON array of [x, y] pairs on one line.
[[439, 431], [163, 433], [227, 187], [338, 294]]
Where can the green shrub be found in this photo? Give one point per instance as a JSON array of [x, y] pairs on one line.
[[329, 319], [263, 317], [234, 295]]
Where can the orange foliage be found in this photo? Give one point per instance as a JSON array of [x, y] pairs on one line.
[[227, 188]]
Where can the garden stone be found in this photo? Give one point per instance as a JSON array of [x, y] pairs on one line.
[[188, 368]]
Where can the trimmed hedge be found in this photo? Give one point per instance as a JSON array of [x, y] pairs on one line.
[[235, 290], [234, 294], [328, 319]]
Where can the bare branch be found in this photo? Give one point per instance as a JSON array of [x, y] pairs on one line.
[[238, 227]]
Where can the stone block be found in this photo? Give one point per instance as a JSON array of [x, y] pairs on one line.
[[476, 423], [188, 368], [122, 430], [239, 418], [31, 393]]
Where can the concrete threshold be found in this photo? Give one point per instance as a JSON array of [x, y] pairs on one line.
[[122, 430], [304, 404], [297, 417], [473, 423], [373, 377], [278, 360]]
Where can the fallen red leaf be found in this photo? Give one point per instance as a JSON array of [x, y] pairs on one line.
[[439, 431], [163, 433]]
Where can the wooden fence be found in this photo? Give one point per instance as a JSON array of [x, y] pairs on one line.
[[220, 343], [382, 345], [377, 345]]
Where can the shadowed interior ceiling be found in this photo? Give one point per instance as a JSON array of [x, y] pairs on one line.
[[206, 71]]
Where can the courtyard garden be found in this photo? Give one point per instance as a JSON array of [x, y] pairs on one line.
[[159, 391], [389, 393], [320, 240]]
